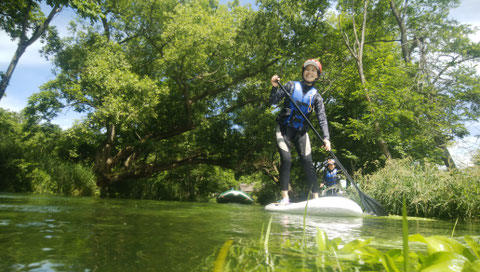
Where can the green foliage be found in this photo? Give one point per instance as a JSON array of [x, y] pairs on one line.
[[77, 144], [10, 151], [443, 254], [29, 160], [25, 22], [51, 176], [429, 192], [167, 95], [184, 184]]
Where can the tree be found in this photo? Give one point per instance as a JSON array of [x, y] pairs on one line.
[[441, 53], [25, 21], [10, 150], [413, 118], [169, 85], [356, 49], [161, 89]]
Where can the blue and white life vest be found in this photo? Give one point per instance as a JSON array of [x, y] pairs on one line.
[[331, 177], [304, 102]]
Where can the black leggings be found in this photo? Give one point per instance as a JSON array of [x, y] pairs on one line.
[[285, 136]]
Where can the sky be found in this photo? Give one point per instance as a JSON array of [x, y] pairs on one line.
[[33, 70]]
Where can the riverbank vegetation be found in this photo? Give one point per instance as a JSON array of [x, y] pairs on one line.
[[174, 97], [430, 192], [31, 160]]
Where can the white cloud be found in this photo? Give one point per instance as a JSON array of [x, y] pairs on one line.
[[31, 57], [7, 48], [12, 103], [467, 12]]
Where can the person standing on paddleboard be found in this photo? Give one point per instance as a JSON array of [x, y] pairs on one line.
[[292, 127]]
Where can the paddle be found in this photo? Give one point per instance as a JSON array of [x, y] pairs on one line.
[[370, 204]]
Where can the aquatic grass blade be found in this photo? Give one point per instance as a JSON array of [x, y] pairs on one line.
[[454, 226], [440, 243], [222, 255], [473, 245], [262, 236], [389, 264], [305, 220], [405, 235], [354, 245], [322, 240], [322, 246], [268, 261], [267, 234], [443, 261], [437, 244], [336, 259], [475, 266]]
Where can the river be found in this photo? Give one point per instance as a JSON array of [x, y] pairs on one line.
[[51, 233]]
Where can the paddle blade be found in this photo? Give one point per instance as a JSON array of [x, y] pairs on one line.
[[371, 205]]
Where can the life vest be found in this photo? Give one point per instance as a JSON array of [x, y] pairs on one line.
[[304, 102], [331, 177]]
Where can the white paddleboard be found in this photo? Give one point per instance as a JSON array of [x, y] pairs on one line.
[[325, 206]]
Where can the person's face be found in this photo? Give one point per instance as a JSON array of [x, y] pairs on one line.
[[331, 166], [310, 73]]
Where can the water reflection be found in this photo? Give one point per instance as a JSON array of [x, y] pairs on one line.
[[346, 228]]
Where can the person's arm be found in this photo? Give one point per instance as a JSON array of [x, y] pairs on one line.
[[322, 120], [276, 94], [322, 184]]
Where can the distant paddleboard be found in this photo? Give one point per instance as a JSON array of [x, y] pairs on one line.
[[234, 196], [325, 206]]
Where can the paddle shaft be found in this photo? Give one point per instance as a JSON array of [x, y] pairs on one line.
[[362, 194]]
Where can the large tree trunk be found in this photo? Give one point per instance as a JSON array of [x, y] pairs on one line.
[[11, 67], [103, 159], [406, 50]]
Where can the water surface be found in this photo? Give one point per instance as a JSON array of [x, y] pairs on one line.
[[47, 233]]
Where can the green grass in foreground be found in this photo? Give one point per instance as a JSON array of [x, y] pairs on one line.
[[441, 254]]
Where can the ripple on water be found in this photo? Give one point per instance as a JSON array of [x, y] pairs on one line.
[[31, 208], [44, 265], [31, 224]]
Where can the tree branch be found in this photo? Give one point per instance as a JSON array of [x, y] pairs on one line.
[[41, 29], [234, 82]]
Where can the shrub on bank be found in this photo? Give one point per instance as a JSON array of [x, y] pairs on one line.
[[190, 183], [52, 176], [430, 192]]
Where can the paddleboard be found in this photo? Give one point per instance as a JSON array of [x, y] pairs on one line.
[[324, 206]]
